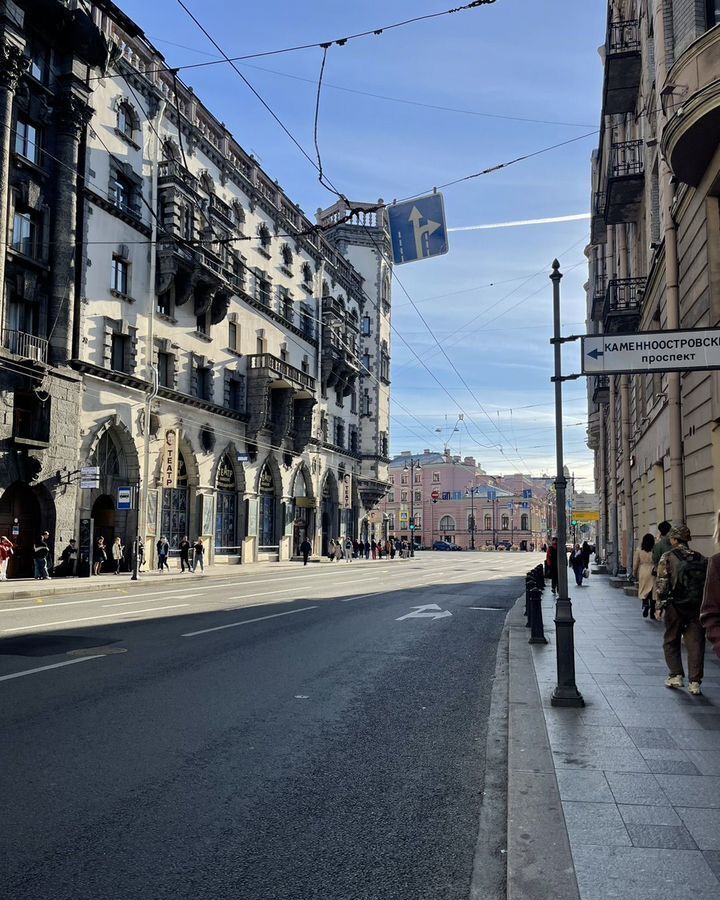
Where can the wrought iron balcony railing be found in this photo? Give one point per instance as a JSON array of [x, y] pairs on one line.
[[280, 367], [623, 37], [626, 158], [27, 346]]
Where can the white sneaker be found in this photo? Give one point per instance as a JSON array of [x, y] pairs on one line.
[[674, 681], [694, 688]]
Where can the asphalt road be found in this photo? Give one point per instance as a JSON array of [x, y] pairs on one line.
[[290, 736]]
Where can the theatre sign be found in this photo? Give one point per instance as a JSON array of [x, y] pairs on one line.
[[651, 351]]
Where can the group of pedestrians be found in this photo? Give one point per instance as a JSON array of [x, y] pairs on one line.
[[192, 555], [352, 549], [578, 561], [680, 587]]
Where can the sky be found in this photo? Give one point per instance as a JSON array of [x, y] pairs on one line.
[[513, 78]]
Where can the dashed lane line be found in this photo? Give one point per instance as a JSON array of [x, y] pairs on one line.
[[92, 618], [69, 662], [290, 612]]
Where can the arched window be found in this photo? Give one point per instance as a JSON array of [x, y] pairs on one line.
[[174, 521], [524, 522], [307, 273], [505, 523], [488, 522], [238, 214], [447, 523], [107, 457], [170, 149], [127, 120], [287, 255], [267, 508], [207, 183], [226, 508]]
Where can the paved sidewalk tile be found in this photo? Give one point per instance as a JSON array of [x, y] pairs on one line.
[[638, 767]]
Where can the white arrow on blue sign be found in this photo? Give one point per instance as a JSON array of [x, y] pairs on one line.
[[418, 229]]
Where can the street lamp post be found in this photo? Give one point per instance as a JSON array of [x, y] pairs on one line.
[[566, 692], [411, 468], [471, 491]]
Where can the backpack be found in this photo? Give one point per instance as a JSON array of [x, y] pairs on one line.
[[687, 591]]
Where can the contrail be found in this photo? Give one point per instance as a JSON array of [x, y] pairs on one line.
[[574, 218]]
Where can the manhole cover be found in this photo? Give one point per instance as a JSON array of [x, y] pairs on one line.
[[96, 651]]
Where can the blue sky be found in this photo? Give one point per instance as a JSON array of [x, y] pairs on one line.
[[511, 60]]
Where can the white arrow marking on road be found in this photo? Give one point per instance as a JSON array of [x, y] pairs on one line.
[[420, 230], [432, 613]]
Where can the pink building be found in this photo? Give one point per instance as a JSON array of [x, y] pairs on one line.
[[446, 496]]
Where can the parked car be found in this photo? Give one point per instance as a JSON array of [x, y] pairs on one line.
[[445, 545]]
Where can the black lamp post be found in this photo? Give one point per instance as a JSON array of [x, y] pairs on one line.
[[411, 468], [471, 492]]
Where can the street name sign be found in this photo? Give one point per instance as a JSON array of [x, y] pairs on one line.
[[89, 477], [651, 351], [587, 503], [418, 229], [586, 516]]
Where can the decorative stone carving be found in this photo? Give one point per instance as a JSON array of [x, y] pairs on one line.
[[13, 65], [72, 114]]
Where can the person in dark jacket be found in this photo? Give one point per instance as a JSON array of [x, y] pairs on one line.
[[163, 548], [552, 563], [184, 548], [306, 550], [710, 609]]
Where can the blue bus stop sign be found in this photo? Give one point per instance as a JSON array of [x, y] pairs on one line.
[[418, 229]]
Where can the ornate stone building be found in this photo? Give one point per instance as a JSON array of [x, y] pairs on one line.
[[47, 52], [655, 265], [204, 312]]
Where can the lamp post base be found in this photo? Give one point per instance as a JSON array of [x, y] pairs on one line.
[[567, 697]]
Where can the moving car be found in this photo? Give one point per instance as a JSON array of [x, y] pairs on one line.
[[445, 545]]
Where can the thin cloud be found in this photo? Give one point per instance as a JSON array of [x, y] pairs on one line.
[[577, 217]]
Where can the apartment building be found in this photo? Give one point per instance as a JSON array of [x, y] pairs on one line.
[[229, 357], [451, 498], [654, 264]]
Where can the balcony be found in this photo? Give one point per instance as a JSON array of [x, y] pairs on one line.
[[26, 346], [623, 67], [625, 182], [601, 389], [623, 305], [692, 134], [284, 374], [598, 225], [598, 298], [173, 171]]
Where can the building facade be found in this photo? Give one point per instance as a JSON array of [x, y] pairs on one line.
[[452, 499], [654, 264], [218, 353]]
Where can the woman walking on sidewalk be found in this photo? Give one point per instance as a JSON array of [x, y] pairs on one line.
[[118, 552], [7, 548], [577, 564], [644, 571], [199, 557]]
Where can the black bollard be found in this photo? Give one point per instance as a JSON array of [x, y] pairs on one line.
[[529, 586], [537, 633]]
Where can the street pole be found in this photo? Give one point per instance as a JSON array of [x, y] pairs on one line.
[[413, 465], [566, 692], [471, 491]]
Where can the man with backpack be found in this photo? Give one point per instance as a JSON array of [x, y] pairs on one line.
[[680, 582]]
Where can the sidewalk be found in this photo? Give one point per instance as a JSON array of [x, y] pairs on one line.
[[638, 769]]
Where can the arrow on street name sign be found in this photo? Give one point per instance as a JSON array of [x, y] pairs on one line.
[[651, 351], [429, 611]]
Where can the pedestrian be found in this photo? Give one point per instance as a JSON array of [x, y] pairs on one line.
[[184, 548], [576, 563], [338, 549], [7, 549], [644, 571], [41, 552], [391, 542], [367, 547], [348, 550], [398, 548], [199, 555], [141, 553], [118, 553], [306, 550], [331, 550], [552, 564], [99, 555], [662, 545], [681, 575], [710, 610], [373, 549], [163, 549]]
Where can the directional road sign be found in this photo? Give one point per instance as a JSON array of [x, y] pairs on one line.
[[651, 351], [418, 229]]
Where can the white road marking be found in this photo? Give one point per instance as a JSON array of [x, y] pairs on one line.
[[44, 608], [248, 621], [429, 611], [92, 618], [69, 662], [493, 608], [263, 594]]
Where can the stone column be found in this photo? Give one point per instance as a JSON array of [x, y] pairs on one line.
[[250, 543], [72, 115], [12, 66]]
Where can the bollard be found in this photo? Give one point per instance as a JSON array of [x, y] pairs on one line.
[[540, 576], [529, 587], [537, 634]]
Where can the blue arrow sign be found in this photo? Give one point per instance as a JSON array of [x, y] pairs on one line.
[[418, 229], [595, 353]]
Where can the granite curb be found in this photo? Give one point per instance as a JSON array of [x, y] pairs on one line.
[[539, 859]]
